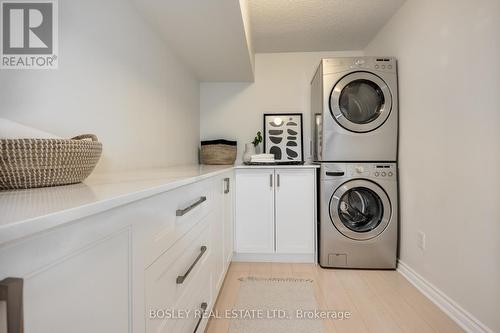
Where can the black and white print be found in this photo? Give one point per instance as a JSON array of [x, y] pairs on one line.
[[283, 136]]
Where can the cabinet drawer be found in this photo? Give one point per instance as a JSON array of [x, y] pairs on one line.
[[176, 213], [196, 302], [164, 287]]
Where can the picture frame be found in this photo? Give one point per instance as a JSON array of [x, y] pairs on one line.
[[283, 137]]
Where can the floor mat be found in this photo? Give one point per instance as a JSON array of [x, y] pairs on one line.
[[275, 305]]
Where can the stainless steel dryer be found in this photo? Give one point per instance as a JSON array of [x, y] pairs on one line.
[[354, 105], [358, 225]]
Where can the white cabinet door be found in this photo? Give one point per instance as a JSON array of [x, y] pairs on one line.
[[254, 211], [222, 228], [228, 220], [86, 291], [217, 221], [294, 204]]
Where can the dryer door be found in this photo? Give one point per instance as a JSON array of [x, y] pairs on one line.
[[360, 102], [360, 209]]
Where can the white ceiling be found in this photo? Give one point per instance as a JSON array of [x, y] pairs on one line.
[[210, 36], [317, 25], [217, 38]]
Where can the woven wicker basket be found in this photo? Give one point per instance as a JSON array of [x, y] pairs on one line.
[[218, 152], [29, 163]]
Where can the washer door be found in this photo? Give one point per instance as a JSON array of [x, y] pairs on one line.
[[360, 102], [360, 209]]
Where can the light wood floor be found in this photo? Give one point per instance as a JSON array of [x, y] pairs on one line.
[[380, 301]]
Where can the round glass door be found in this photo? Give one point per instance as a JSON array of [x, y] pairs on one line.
[[360, 209], [360, 102]]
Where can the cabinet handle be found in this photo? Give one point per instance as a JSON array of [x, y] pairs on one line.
[[203, 307], [226, 190], [278, 179], [181, 212], [271, 180], [181, 278], [11, 291]]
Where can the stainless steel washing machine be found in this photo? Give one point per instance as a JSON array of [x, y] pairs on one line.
[[354, 106], [358, 225]]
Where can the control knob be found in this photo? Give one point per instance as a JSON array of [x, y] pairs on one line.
[[360, 169]]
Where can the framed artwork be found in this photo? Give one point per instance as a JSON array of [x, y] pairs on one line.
[[283, 137]]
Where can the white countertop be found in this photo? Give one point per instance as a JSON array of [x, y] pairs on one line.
[[277, 166], [25, 212]]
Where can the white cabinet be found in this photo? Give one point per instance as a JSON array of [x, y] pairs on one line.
[[217, 230], [254, 211], [222, 228], [294, 206], [109, 272], [228, 204], [191, 259], [275, 213], [87, 292], [76, 278]]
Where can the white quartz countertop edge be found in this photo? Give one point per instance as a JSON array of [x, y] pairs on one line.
[[13, 227], [277, 166]]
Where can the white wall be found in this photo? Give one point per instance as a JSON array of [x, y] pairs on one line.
[[211, 37], [449, 75], [117, 79], [282, 84]]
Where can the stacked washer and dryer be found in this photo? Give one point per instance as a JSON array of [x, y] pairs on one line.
[[354, 105]]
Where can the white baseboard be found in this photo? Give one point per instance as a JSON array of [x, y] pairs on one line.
[[463, 318], [273, 257]]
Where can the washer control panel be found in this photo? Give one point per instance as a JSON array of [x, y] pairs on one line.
[[380, 170], [383, 170], [376, 170]]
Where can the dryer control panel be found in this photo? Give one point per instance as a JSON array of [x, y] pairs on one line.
[[377, 64]]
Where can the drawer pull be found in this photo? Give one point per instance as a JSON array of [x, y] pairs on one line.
[[226, 189], [11, 291], [203, 307], [181, 212], [181, 278]]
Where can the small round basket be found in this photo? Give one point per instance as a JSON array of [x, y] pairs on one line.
[[29, 163]]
